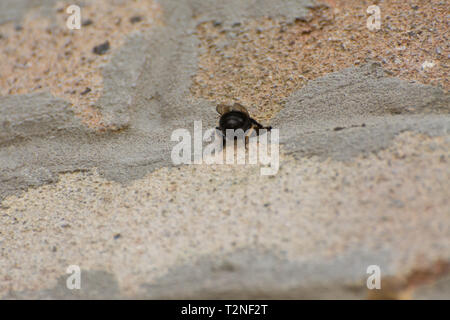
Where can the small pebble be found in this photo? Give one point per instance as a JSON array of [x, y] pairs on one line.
[[86, 91], [135, 19], [87, 22], [101, 49]]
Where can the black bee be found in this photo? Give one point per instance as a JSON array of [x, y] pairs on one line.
[[237, 117]]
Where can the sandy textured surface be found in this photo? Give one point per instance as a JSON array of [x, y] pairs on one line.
[[87, 179], [261, 62], [41, 53], [310, 211]]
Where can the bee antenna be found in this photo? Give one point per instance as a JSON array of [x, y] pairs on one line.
[[260, 126]]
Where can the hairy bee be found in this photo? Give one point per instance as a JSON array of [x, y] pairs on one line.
[[237, 117]]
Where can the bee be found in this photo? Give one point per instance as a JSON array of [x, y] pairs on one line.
[[237, 117]]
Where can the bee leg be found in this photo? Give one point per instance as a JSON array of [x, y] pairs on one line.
[[248, 135], [259, 126]]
